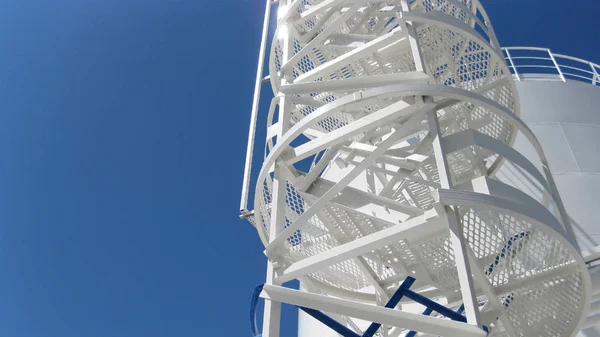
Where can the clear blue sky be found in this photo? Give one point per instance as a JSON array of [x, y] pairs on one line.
[[122, 138]]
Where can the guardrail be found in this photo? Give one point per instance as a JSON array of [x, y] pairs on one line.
[[531, 63]]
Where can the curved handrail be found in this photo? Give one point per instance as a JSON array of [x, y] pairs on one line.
[[540, 64]]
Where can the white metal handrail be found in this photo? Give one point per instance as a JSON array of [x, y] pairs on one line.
[[546, 65]]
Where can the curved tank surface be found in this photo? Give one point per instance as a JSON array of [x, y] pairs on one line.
[[565, 117], [560, 104]]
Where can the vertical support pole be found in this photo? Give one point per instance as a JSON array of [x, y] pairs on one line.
[[254, 113], [438, 151], [272, 313], [562, 77], [459, 245], [492, 297], [512, 64], [596, 78], [412, 38], [462, 263], [272, 309], [463, 266]]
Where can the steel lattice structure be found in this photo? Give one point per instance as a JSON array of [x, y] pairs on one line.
[[388, 123]]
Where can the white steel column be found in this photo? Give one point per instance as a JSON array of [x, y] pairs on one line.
[[458, 242], [272, 309], [457, 238]]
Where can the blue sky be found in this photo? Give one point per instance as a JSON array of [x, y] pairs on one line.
[[122, 136]]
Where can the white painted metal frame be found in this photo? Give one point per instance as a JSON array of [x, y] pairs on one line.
[[359, 93]]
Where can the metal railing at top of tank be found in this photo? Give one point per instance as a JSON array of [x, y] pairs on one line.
[[531, 63]]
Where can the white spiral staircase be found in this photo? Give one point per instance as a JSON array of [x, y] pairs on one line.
[[388, 123]]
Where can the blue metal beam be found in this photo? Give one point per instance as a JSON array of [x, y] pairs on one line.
[[453, 315], [413, 333], [392, 303], [330, 322]]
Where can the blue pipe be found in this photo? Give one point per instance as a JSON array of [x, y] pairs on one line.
[[253, 304]]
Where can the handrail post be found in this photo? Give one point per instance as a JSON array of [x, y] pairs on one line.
[[512, 64], [254, 113], [562, 77], [596, 77]]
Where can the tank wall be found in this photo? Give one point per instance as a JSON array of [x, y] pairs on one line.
[[565, 117]]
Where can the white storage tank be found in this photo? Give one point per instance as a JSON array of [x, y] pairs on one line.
[[560, 99]]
